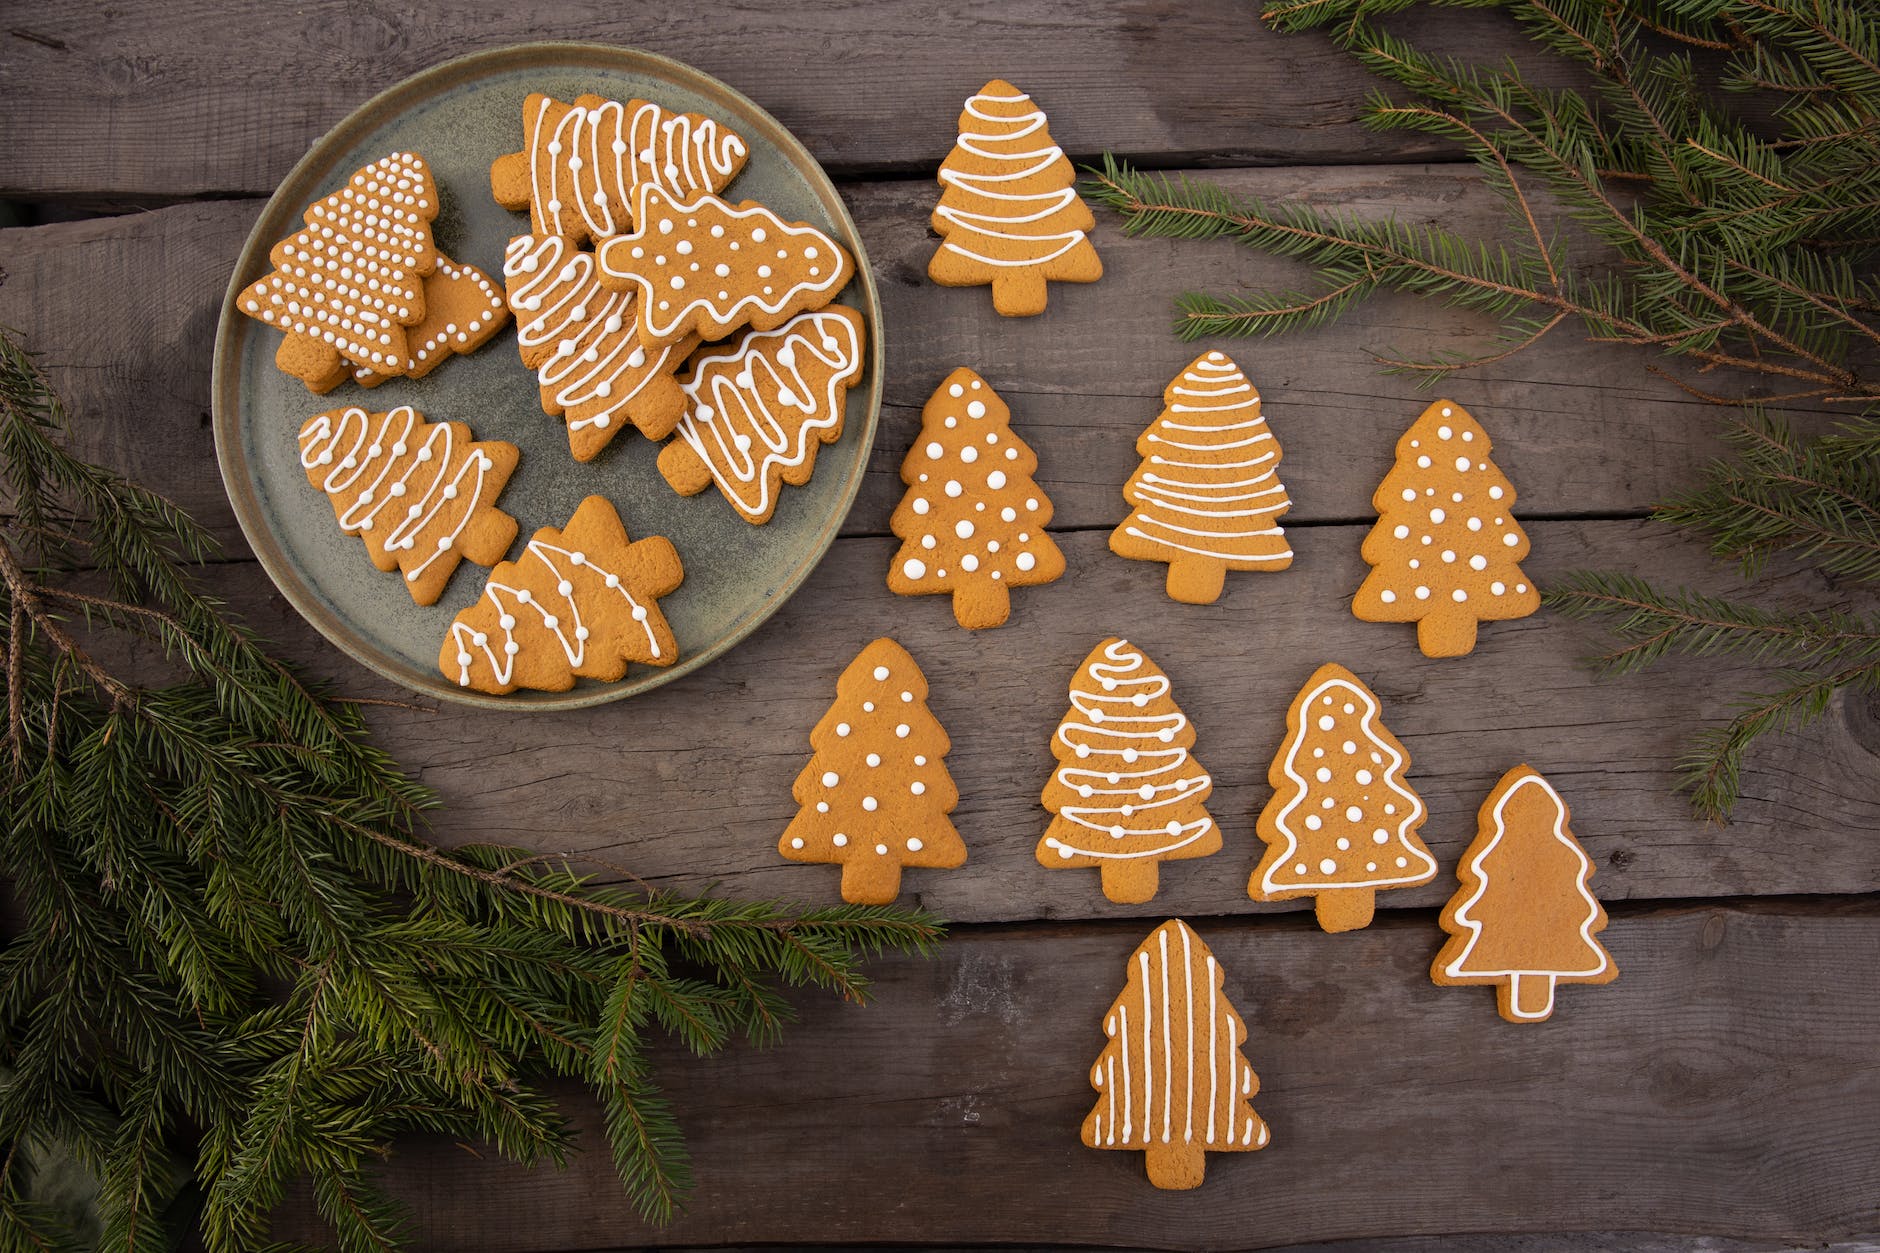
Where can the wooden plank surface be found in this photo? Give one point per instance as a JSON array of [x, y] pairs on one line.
[[1684, 1097]]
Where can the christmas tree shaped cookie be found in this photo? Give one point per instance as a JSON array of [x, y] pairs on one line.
[[1342, 823], [1524, 919], [704, 267], [353, 280], [422, 495], [462, 311], [757, 411], [582, 162], [1173, 1081], [876, 793], [1445, 550], [581, 341], [1010, 215], [581, 602], [973, 518], [1207, 498], [1126, 792]]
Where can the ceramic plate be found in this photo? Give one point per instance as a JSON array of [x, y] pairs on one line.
[[461, 116]]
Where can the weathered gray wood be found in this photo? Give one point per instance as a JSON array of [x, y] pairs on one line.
[[1725, 1084], [123, 312], [690, 785], [1548, 1242]]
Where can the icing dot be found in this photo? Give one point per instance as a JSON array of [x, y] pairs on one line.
[[1313, 822], [1401, 532], [1387, 596], [1459, 595], [1494, 493], [913, 841], [1363, 777], [969, 454], [1478, 562], [963, 529], [1449, 554], [830, 778], [1443, 432], [956, 390], [935, 451], [969, 563], [901, 730], [1510, 539], [1402, 862], [1380, 836], [919, 504], [1327, 722], [839, 840], [953, 487], [915, 568], [1349, 747], [976, 409], [1324, 774], [1437, 515], [507, 622], [1353, 814], [1423, 463], [1423, 593], [1409, 493], [1025, 561], [842, 728], [870, 804], [1328, 866], [1344, 845], [796, 842]]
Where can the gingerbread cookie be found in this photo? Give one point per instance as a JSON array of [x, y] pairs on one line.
[[1173, 1081], [581, 602], [581, 341], [1010, 215], [353, 280], [1126, 792], [1524, 919], [757, 410], [422, 495], [462, 311], [1207, 498], [1446, 547], [705, 267], [1342, 823], [581, 163], [876, 793], [973, 520]]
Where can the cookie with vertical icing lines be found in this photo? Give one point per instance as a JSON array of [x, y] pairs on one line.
[[581, 602], [758, 408], [1524, 919], [581, 163], [1342, 822], [1174, 1081], [701, 266], [875, 794], [1010, 215], [421, 495]]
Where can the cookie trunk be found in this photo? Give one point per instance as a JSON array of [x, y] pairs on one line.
[[1196, 580], [1526, 998], [683, 468], [1130, 882], [1021, 293], [982, 603], [871, 879], [1446, 633], [1344, 909], [1176, 1167]]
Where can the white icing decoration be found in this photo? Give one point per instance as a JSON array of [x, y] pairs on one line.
[[1009, 208], [682, 152]]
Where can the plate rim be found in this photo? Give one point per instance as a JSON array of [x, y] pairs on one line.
[[239, 483]]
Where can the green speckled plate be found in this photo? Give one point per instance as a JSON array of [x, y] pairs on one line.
[[460, 116]]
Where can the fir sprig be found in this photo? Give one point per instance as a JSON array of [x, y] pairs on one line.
[[231, 957], [1744, 250]]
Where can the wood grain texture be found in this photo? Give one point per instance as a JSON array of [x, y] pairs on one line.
[[1683, 1097]]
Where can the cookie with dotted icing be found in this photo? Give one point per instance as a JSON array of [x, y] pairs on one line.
[[1342, 823], [350, 283], [704, 267], [580, 602], [973, 519], [581, 163], [1127, 793], [876, 793], [1174, 1081], [462, 312], [421, 495], [1524, 919], [758, 409], [1446, 550], [581, 340], [1010, 215], [1207, 498]]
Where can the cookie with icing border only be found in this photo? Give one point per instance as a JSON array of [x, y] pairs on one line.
[[1174, 1080], [350, 283], [1207, 498], [1446, 549], [705, 267], [758, 409], [1010, 215], [1127, 794], [876, 793], [1342, 822], [973, 519], [581, 163], [421, 495], [582, 601], [462, 312], [1524, 918], [582, 342]]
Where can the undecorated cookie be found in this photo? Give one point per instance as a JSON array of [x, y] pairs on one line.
[[462, 311], [581, 602], [1010, 215], [973, 519], [1524, 919], [1173, 1080], [1127, 793], [1207, 498], [876, 793], [1342, 823], [757, 409], [421, 495], [1446, 549]]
